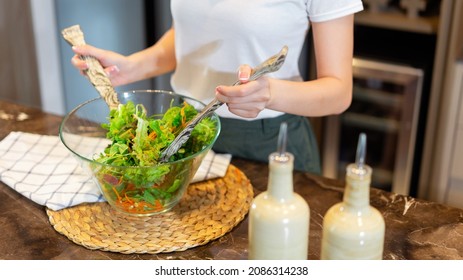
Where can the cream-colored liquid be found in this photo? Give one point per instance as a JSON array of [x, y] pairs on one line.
[[278, 231], [353, 229], [279, 218], [348, 235]]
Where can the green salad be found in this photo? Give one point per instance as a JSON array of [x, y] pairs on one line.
[[137, 140]]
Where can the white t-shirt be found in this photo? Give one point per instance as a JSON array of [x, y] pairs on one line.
[[214, 37]]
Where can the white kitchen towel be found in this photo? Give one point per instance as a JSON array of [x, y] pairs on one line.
[[42, 169]]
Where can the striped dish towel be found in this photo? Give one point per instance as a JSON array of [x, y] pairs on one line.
[[42, 169]]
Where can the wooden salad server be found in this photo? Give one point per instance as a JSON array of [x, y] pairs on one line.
[[95, 72]]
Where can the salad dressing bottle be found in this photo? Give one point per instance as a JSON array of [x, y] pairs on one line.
[[352, 229], [279, 217]]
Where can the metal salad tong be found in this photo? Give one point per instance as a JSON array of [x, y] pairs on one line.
[[272, 64]]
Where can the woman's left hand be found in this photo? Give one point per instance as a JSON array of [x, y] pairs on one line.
[[247, 99]]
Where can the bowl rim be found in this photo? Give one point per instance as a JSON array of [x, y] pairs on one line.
[[139, 91]]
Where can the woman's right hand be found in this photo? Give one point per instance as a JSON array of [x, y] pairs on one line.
[[116, 66]]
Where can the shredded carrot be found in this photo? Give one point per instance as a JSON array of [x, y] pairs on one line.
[[182, 113], [116, 192], [127, 198], [152, 135], [158, 205], [140, 207]]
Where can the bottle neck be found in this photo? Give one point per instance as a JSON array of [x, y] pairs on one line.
[[280, 181], [357, 192]]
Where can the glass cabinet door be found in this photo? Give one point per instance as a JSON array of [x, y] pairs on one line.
[[385, 106]]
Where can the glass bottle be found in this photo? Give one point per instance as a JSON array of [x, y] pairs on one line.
[[279, 217], [353, 229]]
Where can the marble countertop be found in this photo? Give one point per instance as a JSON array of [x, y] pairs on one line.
[[415, 229]]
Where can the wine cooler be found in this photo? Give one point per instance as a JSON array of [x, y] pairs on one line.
[[385, 106]]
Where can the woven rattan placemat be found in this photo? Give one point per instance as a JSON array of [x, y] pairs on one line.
[[207, 211]]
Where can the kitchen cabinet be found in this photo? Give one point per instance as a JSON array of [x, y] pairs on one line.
[[444, 167], [422, 42]]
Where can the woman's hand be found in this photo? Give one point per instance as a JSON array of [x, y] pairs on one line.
[[121, 70], [248, 99], [116, 66]]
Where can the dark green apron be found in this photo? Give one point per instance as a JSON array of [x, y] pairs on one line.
[[256, 140]]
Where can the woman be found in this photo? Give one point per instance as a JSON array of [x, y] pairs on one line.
[[211, 40]]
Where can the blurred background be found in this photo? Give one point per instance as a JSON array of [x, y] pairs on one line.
[[408, 77]]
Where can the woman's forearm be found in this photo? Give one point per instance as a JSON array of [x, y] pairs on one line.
[[321, 97]]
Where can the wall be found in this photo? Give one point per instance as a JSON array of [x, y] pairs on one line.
[[46, 40], [18, 74], [117, 25]]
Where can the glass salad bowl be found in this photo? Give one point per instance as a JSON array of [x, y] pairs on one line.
[[120, 148]]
